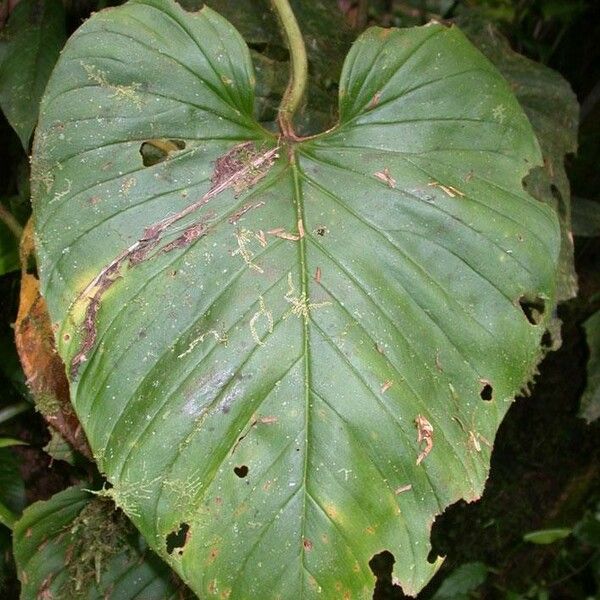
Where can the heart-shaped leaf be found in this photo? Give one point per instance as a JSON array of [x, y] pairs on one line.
[[288, 355]]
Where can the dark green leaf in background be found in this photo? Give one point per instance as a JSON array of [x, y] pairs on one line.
[[462, 582], [12, 488], [29, 46], [9, 250], [76, 545], [590, 400], [586, 217], [288, 357]]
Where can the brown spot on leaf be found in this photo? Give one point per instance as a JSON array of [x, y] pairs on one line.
[[447, 189], [386, 177], [280, 232], [424, 434], [245, 163], [386, 386], [374, 100], [235, 217]]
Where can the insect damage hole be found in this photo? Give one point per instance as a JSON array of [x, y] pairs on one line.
[[386, 586], [241, 471], [487, 392], [547, 339], [177, 540], [533, 308], [156, 151]]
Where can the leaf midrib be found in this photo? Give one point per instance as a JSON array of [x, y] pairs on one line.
[[304, 293]]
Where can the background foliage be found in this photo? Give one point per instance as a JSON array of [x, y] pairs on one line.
[[535, 533]]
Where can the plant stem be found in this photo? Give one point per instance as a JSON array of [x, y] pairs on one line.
[[299, 68], [7, 516], [7, 218]]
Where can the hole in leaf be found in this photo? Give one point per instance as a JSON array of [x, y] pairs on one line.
[[381, 565], [533, 308], [177, 539], [547, 341], [487, 392], [156, 151], [241, 472]]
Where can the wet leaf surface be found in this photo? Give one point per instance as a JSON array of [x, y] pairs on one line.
[[288, 357]]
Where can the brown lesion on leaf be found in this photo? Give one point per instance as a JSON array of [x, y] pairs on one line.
[[191, 234], [387, 384], [283, 234], [386, 177], [374, 100], [424, 436], [242, 211], [245, 165], [239, 169], [447, 189]]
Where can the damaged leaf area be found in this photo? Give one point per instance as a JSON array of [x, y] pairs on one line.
[[41, 364], [76, 545], [288, 356]]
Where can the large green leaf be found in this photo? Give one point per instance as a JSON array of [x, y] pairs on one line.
[[255, 328], [29, 47], [77, 546]]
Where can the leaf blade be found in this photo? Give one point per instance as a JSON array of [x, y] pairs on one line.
[[309, 320]]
